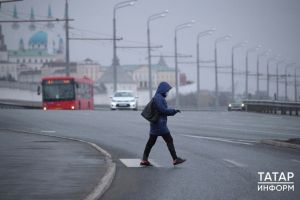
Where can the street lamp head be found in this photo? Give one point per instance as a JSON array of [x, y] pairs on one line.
[[221, 39], [245, 43], [184, 25], [258, 47], [241, 44], [229, 36], [124, 4], [205, 33], [211, 31], [157, 16]]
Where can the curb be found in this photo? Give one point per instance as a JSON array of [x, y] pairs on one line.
[[109, 175], [280, 144]]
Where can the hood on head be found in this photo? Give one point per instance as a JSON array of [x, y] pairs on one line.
[[163, 87]]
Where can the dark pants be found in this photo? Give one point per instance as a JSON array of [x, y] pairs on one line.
[[152, 139]]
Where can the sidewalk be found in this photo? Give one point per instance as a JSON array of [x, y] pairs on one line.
[[40, 167]]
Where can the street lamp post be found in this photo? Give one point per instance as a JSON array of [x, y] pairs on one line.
[[239, 45], [295, 86], [218, 40], [268, 74], [265, 53], [285, 79], [151, 18], [247, 63], [177, 28], [277, 77], [115, 61], [201, 34]]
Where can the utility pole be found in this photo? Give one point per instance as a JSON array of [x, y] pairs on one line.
[[296, 99], [277, 77], [67, 40]]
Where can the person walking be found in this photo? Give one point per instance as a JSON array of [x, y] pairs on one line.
[[160, 127]]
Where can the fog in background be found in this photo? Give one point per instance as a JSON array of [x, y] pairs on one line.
[[274, 24]]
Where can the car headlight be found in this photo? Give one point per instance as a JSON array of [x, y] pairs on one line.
[[229, 105], [133, 100], [243, 105], [113, 100]]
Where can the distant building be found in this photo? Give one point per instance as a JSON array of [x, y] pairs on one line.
[[90, 69], [37, 52], [160, 72], [58, 69], [87, 68], [8, 71], [124, 81], [24, 64]]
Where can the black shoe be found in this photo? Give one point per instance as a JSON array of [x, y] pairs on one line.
[[145, 163], [178, 161]]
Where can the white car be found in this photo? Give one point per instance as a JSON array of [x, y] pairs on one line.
[[236, 106], [124, 99]]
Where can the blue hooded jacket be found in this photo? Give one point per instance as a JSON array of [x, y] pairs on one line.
[[160, 127]]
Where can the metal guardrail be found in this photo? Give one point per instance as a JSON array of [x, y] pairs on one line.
[[19, 85], [14, 104], [272, 107]]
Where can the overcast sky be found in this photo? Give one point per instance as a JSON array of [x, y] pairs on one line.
[[274, 24]]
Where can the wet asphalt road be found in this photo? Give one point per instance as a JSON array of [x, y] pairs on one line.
[[221, 148], [35, 167]]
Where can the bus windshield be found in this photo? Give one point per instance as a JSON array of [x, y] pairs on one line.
[[58, 92]]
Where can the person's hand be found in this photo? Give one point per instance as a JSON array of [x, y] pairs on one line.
[[178, 111]]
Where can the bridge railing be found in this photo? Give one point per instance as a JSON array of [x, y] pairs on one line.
[[273, 107]]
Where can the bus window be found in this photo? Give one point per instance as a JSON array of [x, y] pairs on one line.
[[58, 92]]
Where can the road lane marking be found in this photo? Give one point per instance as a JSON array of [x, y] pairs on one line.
[[43, 131], [219, 139], [248, 131], [235, 163], [294, 160], [128, 162]]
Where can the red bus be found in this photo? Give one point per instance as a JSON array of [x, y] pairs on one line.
[[67, 93]]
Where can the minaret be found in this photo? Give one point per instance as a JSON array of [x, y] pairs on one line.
[[32, 26], [15, 25], [3, 48], [53, 47], [60, 46], [162, 61], [50, 24], [2, 44], [21, 45]]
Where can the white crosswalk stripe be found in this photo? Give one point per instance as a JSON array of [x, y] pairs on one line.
[[133, 162]]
